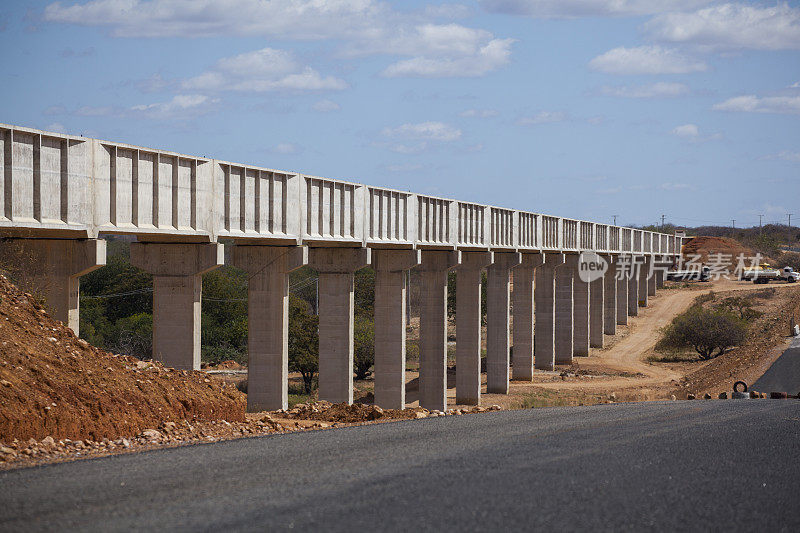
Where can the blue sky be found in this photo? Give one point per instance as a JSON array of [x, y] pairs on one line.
[[580, 108]]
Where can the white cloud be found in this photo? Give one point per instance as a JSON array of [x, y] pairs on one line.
[[56, 127], [731, 26], [784, 105], [588, 8], [688, 131], [653, 90], [412, 167], [262, 70], [691, 132], [543, 117], [785, 155], [795, 85], [181, 106], [285, 148], [479, 113], [365, 27], [645, 60], [325, 106], [294, 19], [671, 186], [427, 131], [439, 51]]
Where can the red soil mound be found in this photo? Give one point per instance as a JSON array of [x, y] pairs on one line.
[[52, 383], [706, 246]]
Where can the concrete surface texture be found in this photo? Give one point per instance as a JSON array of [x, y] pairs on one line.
[[336, 267], [610, 297], [391, 268], [498, 301], [177, 270], [468, 326], [564, 309], [634, 467], [268, 270], [523, 305], [433, 327], [545, 323]]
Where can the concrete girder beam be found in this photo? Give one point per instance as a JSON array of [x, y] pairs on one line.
[[268, 269], [336, 267], [498, 302], [177, 270], [433, 327], [523, 305], [391, 267], [468, 326], [51, 269]]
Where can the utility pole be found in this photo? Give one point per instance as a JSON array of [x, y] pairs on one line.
[[759, 222], [662, 221], [615, 219], [733, 224], [790, 218]]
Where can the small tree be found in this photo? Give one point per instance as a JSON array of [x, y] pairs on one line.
[[743, 306], [303, 342], [710, 332], [364, 346]]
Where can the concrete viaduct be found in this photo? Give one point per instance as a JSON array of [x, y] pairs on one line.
[[59, 194]]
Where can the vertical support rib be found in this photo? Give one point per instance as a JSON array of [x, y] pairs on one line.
[[37, 177]]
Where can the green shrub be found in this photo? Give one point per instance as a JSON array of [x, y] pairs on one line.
[[303, 342], [363, 346], [710, 332]]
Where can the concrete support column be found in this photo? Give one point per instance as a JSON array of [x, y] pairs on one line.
[[391, 267], [268, 270], [565, 309], [580, 316], [644, 275], [596, 312], [433, 327], [610, 297], [544, 297], [498, 300], [633, 290], [468, 326], [336, 267], [651, 277], [51, 269], [523, 305], [659, 276], [622, 299], [177, 270]]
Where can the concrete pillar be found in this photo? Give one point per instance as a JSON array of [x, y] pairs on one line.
[[523, 305], [651, 277], [433, 327], [177, 270], [391, 267], [610, 297], [268, 270], [659, 276], [622, 299], [50, 269], [544, 297], [596, 312], [468, 326], [580, 316], [336, 267], [644, 275], [564, 309], [633, 290], [498, 300]]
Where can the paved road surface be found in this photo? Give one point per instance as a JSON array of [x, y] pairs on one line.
[[784, 374], [720, 465]]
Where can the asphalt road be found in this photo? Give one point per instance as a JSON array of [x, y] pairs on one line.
[[784, 374], [692, 465]]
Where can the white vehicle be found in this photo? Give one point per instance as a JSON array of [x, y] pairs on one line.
[[764, 273]]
